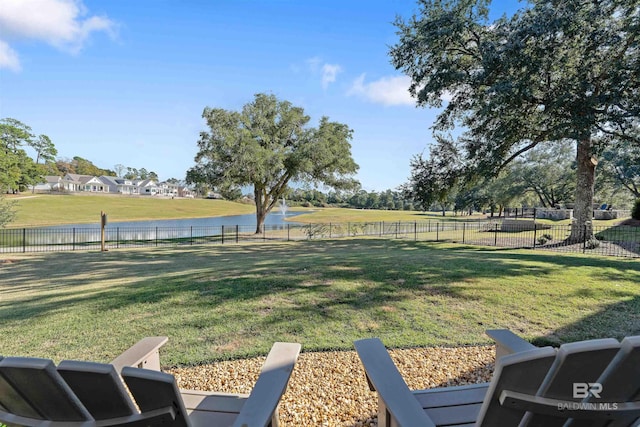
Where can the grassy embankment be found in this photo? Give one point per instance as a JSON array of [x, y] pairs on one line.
[[219, 302], [71, 209]]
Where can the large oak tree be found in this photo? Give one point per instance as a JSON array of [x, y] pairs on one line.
[[556, 70], [268, 145]]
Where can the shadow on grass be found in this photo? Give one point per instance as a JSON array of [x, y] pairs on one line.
[[248, 272], [318, 281]]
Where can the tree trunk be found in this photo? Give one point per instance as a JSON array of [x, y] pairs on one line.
[[582, 228], [261, 211]]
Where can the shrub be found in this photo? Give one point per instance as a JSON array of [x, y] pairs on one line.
[[542, 240], [7, 212], [592, 243], [316, 230], [635, 213]]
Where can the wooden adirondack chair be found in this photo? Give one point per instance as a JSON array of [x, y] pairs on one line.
[[589, 383], [34, 392]]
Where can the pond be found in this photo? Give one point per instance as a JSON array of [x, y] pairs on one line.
[[144, 231], [272, 219]]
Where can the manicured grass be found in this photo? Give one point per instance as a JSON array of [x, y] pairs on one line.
[[219, 302], [69, 209], [341, 215]]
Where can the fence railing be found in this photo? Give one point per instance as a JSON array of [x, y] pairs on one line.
[[623, 241]]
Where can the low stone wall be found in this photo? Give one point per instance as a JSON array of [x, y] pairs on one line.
[[543, 213]]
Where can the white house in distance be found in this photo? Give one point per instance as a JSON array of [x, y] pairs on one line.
[[73, 183], [147, 187], [88, 183], [120, 185]]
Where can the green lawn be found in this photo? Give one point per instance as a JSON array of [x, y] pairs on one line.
[[221, 302], [342, 215], [69, 209]]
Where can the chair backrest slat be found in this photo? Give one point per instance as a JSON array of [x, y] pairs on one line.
[[523, 371], [41, 391], [620, 382], [13, 402], [154, 390], [576, 363], [99, 388]]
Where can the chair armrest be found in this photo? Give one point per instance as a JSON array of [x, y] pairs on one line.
[[508, 343], [383, 374], [143, 354], [265, 396]]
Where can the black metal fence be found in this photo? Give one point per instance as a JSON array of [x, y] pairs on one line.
[[622, 241]]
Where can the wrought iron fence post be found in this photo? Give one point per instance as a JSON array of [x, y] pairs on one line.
[[237, 226], [223, 234], [24, 240], [381, 228], [156, 236], [329, 230], [584, 239], [191, 235], [348, 229], [464, 229], [415, 231], [288, 232], [73, 239], [535, 234], [495, 236], [397, 226], [117, 237], [437, 231]]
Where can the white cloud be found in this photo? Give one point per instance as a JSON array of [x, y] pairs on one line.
[[386, 91], [329, 73], [8, 57], [63, 24]]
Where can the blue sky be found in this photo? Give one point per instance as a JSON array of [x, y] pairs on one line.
[[125, 82]]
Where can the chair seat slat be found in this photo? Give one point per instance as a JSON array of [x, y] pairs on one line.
[[213, 402], [451, 396]]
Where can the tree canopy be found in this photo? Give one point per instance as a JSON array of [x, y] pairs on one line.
[[17, 169], [555, 70], [268, 145]]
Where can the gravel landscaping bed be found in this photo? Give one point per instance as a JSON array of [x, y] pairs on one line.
[[330, 389]]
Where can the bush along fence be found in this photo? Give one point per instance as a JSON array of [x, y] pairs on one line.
[[623, 241]]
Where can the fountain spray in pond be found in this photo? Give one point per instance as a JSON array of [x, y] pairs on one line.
[[283, 207]]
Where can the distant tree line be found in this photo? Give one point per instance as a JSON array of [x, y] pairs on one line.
[[356, 199], [543, 177]]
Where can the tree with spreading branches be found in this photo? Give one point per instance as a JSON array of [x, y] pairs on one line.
[[268, 145], [556, 70]]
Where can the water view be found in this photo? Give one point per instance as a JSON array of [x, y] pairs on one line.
[[144, 231], [272, 219]]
